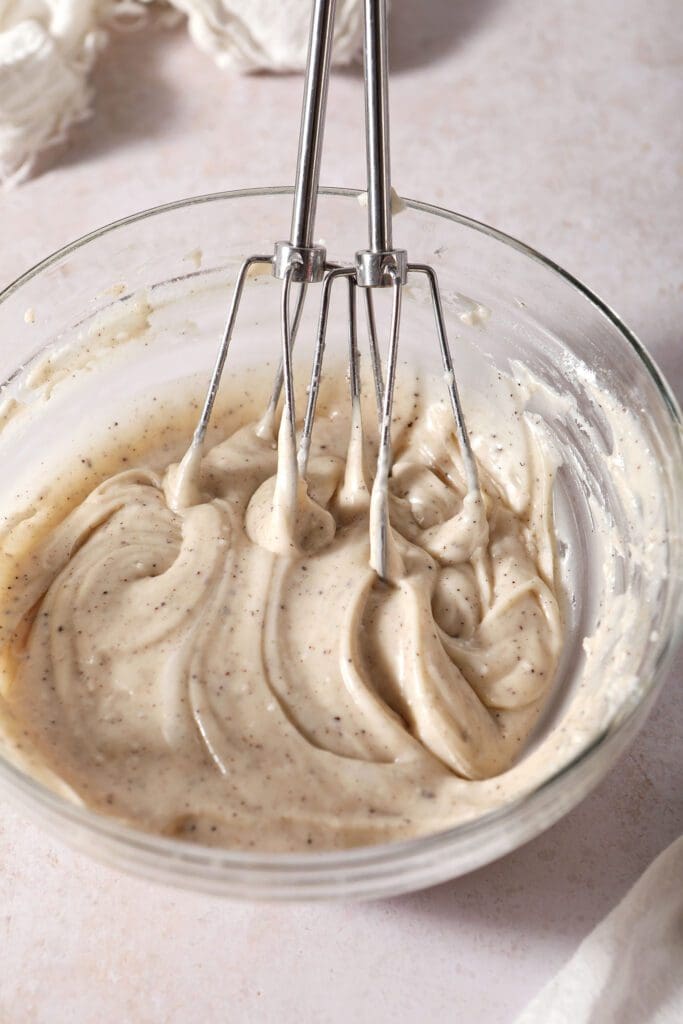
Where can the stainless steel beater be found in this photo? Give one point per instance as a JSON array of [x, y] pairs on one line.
[[379, 266]]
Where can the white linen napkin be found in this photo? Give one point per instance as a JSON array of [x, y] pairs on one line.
[[48, 48], [629, 970]]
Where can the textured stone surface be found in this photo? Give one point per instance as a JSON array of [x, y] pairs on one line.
[[559, 123]]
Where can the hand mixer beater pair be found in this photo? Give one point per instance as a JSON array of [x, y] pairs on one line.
[[300, 261]]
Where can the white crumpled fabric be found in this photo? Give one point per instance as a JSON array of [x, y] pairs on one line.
[[629, 970], [251, 35], [48, 48]]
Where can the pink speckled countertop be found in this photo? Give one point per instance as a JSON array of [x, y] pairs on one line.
[[559, 123]]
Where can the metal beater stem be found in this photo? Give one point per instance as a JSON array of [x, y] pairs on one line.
[[380, 263], [307, 259], [312, 123], [376, 58], [300, 259]]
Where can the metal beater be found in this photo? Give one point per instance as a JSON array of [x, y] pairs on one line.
[[300, 261]]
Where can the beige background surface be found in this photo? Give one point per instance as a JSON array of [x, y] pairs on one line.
[[558, 121]]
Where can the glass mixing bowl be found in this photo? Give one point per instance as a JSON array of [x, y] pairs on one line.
[[505, 304]]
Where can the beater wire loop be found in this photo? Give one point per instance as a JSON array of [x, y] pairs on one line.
[[379, 501], [205, 416], [471, 474], [331, 276]]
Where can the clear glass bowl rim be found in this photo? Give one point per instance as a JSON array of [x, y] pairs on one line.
[[186, 859]]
